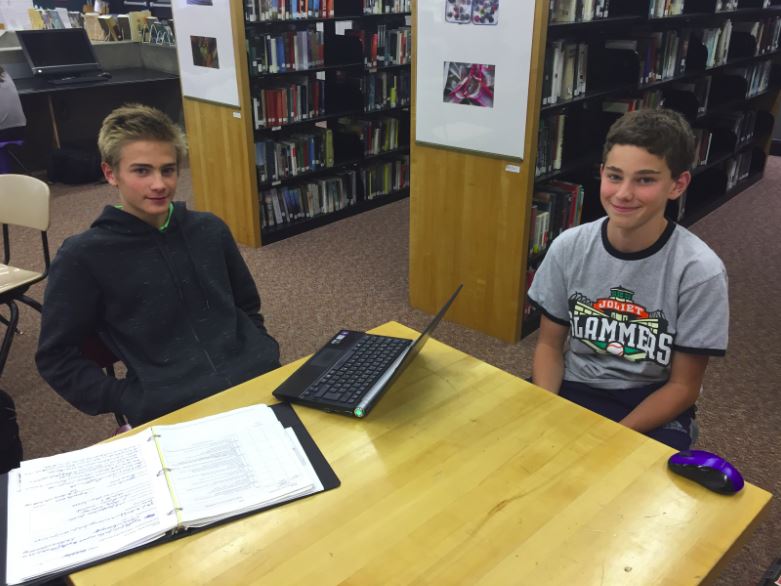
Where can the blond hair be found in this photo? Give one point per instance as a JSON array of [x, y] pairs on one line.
[[133, 122]]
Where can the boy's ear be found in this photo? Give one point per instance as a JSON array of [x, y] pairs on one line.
[[680, 184], [108, 173]]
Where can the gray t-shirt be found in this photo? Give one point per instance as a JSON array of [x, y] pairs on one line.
[[628, 312]]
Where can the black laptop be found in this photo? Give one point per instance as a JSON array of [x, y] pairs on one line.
[[354, 369]]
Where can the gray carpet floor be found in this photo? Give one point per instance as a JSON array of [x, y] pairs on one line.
[[354, 274]]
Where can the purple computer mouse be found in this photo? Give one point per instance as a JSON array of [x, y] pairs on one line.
[[707, 469]]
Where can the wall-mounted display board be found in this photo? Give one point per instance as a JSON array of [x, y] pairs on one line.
[[205, 50], [473, 74]]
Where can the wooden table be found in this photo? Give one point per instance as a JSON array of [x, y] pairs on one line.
[[463, 474]]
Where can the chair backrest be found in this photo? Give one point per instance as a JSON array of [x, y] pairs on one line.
[[93, 348], [24, 201]]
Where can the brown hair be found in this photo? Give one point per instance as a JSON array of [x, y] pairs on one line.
[[133, 122], [662, 132]]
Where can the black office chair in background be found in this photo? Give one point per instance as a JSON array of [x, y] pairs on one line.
[[24, 201], [94, 349]]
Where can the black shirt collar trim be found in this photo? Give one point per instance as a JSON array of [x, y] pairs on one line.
[[640, 254]]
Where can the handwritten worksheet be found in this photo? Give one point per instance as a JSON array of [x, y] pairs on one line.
[[72, 509]]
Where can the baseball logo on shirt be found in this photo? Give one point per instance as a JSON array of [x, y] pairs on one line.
[[619, 326]]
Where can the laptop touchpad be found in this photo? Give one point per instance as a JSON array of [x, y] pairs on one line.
[[326, 357]]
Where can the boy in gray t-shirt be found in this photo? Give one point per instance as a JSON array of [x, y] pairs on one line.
[[641, 301]]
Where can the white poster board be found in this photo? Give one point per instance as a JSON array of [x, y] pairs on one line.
[[204, 47], [473, 64]]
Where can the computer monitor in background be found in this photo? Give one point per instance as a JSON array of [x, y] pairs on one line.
[[59, 52]]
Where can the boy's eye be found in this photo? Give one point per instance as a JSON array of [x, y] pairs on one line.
[[646, 180], [613, 177], [168, 171]]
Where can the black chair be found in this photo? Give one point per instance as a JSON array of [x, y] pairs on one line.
[[94, 349], [24, 201]]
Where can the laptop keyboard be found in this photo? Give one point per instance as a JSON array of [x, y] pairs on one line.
[[347, 383]]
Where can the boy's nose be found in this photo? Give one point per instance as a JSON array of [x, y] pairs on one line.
[[623, 191], [157, 181]]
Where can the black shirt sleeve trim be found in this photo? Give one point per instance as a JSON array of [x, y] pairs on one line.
[[700, 351], [550, 316]]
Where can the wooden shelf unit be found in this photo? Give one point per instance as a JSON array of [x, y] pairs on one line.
[[222, 138]]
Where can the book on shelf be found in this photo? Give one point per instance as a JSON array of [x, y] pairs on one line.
[[293, 154], [274, 10], [72, 510], [138, 24], [556, 206], [110, 27], [563, 10], [286, 204], [665, 8], [36, 19], [377, 135], [93, 27], [601, 8], [289, 100], [55, 18], [703, 141], [286, 51], [621, 105], [565, 71], [76, 19], [550, 146], [123, 21]]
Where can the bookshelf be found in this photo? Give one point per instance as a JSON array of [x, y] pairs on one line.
[[717, 68], [322, 128]]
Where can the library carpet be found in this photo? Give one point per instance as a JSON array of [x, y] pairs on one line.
[[354, 274]]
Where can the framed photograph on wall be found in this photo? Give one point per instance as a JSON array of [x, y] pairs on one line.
[[473, 65], [204, 48]]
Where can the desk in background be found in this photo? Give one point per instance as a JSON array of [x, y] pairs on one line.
[[72, 114], [101, 97], [463, 474]]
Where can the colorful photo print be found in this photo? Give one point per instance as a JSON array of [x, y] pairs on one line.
[[475, 11], [469, 83], [205, 52], [458, 11], [485, 12]]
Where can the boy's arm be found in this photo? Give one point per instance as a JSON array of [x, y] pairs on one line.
[[245, 293], [69, 316], [669, 401], [548, 365]]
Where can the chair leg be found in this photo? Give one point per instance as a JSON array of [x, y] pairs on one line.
[[5, 322], [31, 302], [19, 162], [5, 349]]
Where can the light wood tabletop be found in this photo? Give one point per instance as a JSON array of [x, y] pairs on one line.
[[462, 474]]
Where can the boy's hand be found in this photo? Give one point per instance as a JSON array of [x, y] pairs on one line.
[[548, 365], [669, 401]]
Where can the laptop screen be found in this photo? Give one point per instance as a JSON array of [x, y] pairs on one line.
[[405, 359], [58, 51]]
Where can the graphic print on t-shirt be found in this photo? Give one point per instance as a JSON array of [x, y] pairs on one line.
[[617, 325]]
